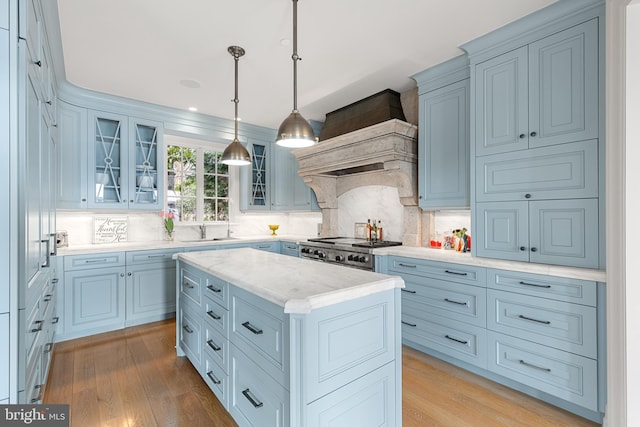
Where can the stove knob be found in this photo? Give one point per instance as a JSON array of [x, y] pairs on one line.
[[322, 255], [339, 258], [363, 258], [351, 258], [316, 252], [304, 250]]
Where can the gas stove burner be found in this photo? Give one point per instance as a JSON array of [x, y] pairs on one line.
[[346, 251]]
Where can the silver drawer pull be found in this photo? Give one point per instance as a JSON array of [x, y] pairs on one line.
[[48, 297], [187, 285], [409, 291], [413, 325], [213, 315], [188, 329], [213, 345], [213, 378], [55, 320], [456, 340], [252, 328], [401, 264], [251, 398], [531, 365], [214, 289], [455, 302], [457, 273], [531, 319], [39, 324], [48, 347], [536, 285], [92, 261], [38, 398], [155, 256]]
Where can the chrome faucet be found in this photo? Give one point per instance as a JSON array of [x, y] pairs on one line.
[[203, 231]]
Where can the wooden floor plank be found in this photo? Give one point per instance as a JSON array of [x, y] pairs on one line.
[[133, 378]]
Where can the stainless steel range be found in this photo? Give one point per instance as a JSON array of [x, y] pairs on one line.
[[346, 251]]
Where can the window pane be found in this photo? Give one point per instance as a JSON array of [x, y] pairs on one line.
[[209, 186], [210, 210], [186, 209], [210, 161]]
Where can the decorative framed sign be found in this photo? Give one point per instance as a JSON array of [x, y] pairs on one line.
[[110, 229]]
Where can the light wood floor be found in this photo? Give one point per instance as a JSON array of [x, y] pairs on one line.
[[132, 377]]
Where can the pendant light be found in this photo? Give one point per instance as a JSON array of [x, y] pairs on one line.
[[235, 153], [295, 131]]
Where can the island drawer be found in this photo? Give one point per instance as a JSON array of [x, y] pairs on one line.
[[82, 262], [218, 290], [460, 273], [255, 399], [216, 345], [258, 327], [217, 315], [216, 378], [190, 335], [566, 326], [558, 288], [456, 339], [565, 375], [191, 283], [447, 299]]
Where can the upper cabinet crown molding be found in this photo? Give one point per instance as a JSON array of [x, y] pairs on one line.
[[445, 73], [551, 19]]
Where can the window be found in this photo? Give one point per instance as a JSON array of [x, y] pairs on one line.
[[197, 184]]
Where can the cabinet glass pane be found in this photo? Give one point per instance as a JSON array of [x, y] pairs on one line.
[[146, 167], [108, 170], [259, 175]]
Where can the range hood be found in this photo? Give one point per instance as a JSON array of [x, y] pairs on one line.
[[381, 154]]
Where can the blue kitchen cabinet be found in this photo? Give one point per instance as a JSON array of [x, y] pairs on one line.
[[290, 193], [255, 182], [541, 94], [562, 232], [443, 135], [146, 177], [4, 24], [291, 249], [72, 155], [4, 357]]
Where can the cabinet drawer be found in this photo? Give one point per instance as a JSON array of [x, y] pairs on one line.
[[557, 288], [81, 262], [370, 400], [216, 315], [191, 283], [448, 299], [258, 325], [557, 172], [267, 246], [143, 257], [216, 378], [255, 398], [217, 290], [565, 375], [190, 335], [216, 345], [456, 339], [460, 273], [569, 327]]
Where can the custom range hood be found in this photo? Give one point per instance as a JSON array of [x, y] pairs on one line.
[[383, 153]]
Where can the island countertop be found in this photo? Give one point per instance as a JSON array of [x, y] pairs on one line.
[[298, 285]]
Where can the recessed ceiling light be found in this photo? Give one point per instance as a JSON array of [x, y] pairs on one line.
[[193, 109], [191, 84], [285, 42]]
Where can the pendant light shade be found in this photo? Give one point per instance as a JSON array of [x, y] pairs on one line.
[[295, 131], [236, 153]]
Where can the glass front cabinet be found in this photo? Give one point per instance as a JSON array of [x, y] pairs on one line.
[[126, 155]]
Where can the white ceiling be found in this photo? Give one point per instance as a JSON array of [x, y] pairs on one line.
[[350, 49]]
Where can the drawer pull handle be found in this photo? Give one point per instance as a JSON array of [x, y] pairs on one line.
[[455, 272], [38, 398], [39, 325], [48, 347], [456, 340], [92, 261], [213, 377], [213, 315], [155, 256], [188, 329], [531, 365], [213, 345], [214, 289], [413, 325], [252, 328], [401, 264], [408, 291], [251, 398], [546, 322], [188, 285], [536, 285], [455, 302], [54, 281], [55, 320]]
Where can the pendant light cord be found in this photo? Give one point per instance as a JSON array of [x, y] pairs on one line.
[[236, 57], [294, 55]]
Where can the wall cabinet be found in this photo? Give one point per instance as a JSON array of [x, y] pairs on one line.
[[72, 157], [443, 135], [541, 94]]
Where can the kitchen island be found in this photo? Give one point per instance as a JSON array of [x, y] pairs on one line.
[[284, 341]]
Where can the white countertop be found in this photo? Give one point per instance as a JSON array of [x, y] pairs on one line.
[[466, 258], [299, 285]]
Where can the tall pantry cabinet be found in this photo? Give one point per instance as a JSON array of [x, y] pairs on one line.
[[27, 114]]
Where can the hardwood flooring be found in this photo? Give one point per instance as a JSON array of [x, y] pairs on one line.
[[133, 378]]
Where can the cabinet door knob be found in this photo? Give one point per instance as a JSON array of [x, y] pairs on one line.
[[121, 274], [533, 133], [129, 274], [523, 135], [527, 196], [38, 63], [534, 249], [522, 248]]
